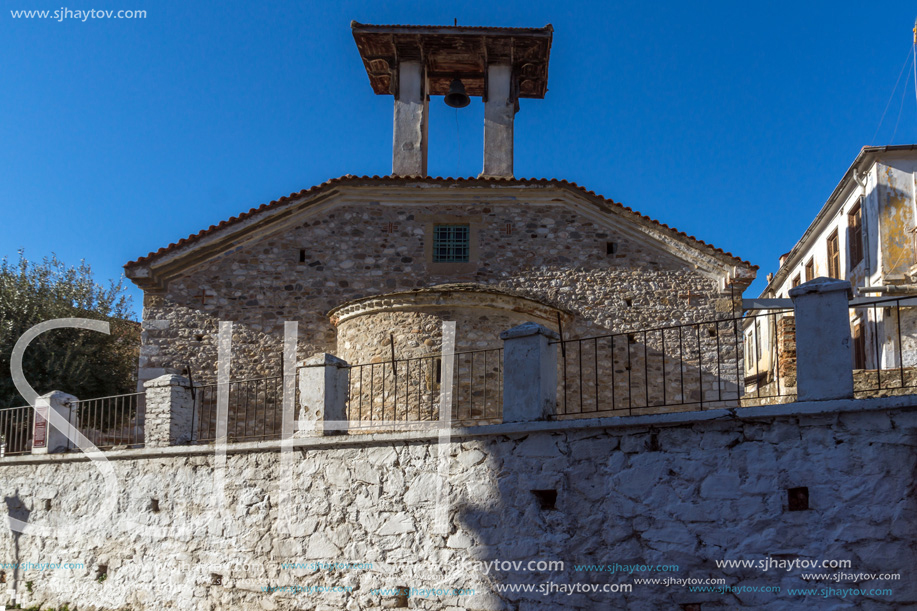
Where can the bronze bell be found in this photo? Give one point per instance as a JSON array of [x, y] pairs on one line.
[[457, 98]]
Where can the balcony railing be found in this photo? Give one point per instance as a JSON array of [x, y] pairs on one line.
[[884, 335], [255, 410], [112, 421], [16, 429], [694, 366], [409, 390]]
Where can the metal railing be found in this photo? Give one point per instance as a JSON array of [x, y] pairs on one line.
[[16, 428], [255, 410], [884, 333], [111, 421], [408, 390], [693, 366]]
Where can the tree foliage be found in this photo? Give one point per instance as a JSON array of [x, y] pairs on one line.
[[84, 363]]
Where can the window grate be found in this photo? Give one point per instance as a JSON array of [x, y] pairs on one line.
[[451, 243]]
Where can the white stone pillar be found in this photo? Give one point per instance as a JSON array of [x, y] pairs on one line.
[[47, 439], [169, 411], [529, 373], [824, 361], [499, 112], [323, 389], [409, 149]]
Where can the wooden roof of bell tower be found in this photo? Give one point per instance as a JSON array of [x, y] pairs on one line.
[[449, 52]]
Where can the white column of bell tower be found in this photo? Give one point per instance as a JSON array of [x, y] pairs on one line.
[[409, 148], [499, 112]]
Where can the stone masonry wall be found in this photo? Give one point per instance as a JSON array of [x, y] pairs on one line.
[[477, 382], [419, 334], [663, 492], [550, 253]]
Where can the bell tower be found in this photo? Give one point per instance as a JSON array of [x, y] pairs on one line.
[[413, 63]]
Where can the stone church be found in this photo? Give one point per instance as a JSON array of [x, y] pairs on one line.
[[371, 266], [520, 512]]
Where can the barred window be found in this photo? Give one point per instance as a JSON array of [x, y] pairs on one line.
[[451, 243]]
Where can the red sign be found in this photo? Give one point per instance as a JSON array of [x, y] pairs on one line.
[[40, 431]]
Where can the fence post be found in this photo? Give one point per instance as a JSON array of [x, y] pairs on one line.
[[529, 373], [169, 410], [323, 390], [45, 438], [824, 361]]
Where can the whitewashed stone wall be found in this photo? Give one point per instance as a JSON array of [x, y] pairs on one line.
[[669, 490]]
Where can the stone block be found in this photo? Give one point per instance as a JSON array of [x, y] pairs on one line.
[[632, 443], [397, 524], [823, 344], [470, 458], [169, 411], [529, 373], [60, 407], [720, 486], [673, 533], [321, 548], [323, 393], [156, 324], [632, 483], [541, 444]]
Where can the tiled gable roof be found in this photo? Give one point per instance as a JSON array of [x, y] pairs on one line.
[[404, 180]]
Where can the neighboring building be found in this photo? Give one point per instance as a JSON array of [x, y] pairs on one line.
[[371, 266], [864, 233]]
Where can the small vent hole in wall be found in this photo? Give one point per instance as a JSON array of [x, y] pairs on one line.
[[401, 598], [216, 579], [797, 498], [691, 607], [199, 338], [611, 248], [47, 504], [101, 573], [711, 331], [629, 302], [653, 444], [154, 505], [631, 338], [547, 499], [302, 255], [2, 576]]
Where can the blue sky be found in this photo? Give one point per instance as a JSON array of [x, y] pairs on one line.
[[730, 121]]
